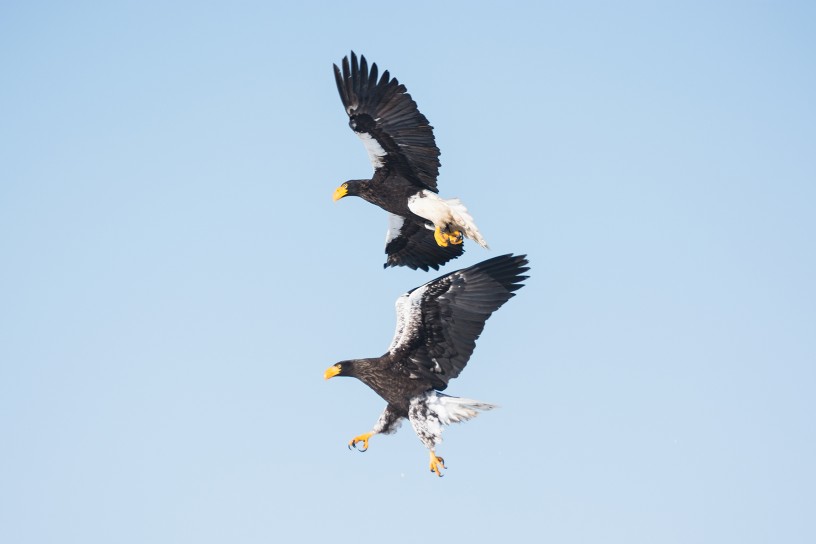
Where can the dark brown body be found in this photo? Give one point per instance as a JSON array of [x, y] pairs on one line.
[[396, 386]]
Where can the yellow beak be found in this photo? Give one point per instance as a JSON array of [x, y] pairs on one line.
[[340, 192], [331, 372]]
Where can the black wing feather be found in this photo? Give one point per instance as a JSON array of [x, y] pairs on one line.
[[454, 310], [386, 111], [415, 247]]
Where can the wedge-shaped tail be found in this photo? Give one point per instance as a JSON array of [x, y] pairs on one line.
[[431, 410], [447, 215]]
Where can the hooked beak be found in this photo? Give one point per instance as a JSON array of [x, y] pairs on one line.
[[331, 372], [340, 192]]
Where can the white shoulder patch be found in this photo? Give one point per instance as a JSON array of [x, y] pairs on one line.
[[409, 317], [374, 149], [395, 223]]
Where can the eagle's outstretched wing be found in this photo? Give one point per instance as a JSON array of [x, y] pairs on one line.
[[439, 322], [387, 120], [410, 244]]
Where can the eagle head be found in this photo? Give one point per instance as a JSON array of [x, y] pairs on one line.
[[343, 368], [349, 188]]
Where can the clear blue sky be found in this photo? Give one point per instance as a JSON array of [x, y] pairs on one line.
[[174, 277]]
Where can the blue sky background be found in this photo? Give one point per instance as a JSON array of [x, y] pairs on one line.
[[174, 277]]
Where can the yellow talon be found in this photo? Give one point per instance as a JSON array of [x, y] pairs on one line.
[[436, 464], [455, 237], [360, 438], [440, 237]]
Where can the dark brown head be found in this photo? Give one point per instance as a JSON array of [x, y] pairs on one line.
[[349, 188], [343, 368]]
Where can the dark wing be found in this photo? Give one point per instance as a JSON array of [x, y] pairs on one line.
[[387, 119], [410, 244], [439, 322]]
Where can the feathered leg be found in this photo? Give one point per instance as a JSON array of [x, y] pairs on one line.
[[430, 411], [450, 218], [388, 423]]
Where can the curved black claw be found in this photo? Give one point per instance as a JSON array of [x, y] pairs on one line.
[[353, 445], [437, 465]]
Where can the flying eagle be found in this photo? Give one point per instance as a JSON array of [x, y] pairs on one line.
[[437, 327], [424, 229]]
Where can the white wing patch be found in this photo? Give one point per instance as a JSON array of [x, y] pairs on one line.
[[409, 317], [395, 223], [374, 149], [436, 368]]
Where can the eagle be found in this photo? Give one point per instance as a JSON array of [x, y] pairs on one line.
[[424, 230], [437, 327]]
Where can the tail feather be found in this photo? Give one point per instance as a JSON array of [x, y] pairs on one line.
[[458, 409], [462, 217], [445, 213], [429, 412]]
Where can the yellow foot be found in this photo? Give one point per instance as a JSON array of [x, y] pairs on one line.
[[455, 238], [436, 464], [440, 237], [360, 438]]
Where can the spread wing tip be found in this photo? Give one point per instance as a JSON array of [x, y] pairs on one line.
[[506, 269], [390, 116]]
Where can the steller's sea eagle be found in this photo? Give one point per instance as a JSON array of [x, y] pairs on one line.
[[424, 229], [437, 327]]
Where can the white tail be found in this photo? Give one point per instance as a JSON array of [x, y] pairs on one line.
[[429, 412], [456, 409], [444, 212], [464, 220]]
